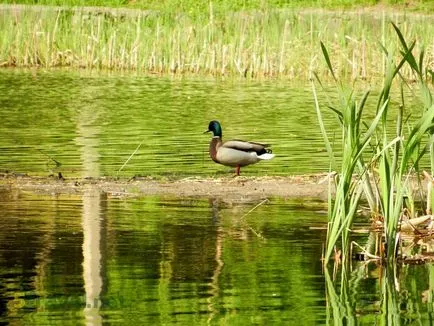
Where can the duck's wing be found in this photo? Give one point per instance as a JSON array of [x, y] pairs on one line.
[[246, 146]]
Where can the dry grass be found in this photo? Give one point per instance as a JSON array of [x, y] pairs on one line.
[[273, 43]]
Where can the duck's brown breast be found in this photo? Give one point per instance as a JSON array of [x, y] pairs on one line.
[[213, 147]]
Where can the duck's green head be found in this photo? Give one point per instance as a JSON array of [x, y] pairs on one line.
[[215, 127]]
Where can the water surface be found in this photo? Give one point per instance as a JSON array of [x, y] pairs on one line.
[[91, 123], [156, 260], [85, 123]]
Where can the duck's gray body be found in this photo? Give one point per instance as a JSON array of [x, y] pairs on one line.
[[235, 153]]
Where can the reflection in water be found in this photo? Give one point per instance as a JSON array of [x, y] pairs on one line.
[[93, 217], [150, 261], [92, 255], [38, 260], [44, 254], [375, 293], [214, 284], [87, 138]]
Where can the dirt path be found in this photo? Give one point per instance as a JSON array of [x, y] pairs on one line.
[[227, 188]]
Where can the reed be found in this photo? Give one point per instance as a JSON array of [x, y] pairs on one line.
[[397, 164], [198, 6], [254, 44], [374, 163], [354, 143]]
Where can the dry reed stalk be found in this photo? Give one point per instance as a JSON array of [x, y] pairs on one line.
[[429, 186], [47, 50], [124, 56], [178, 50], [112, 50], [282, 48], [53, 39], [223, 67], [429, 197], [136, 44], [213, 60], [266, 69]]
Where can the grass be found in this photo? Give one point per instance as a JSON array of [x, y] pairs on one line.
[[198, 7], [253, 44], [375, 162]]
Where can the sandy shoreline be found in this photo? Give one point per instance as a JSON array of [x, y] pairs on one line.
[[312, 187]]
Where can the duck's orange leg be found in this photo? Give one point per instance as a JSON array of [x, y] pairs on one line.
[[238, 170]]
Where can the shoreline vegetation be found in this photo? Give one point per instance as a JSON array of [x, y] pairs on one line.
[[383, 161], [197, 8], [217, 39]]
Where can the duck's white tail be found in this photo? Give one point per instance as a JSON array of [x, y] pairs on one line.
[[266, 156]]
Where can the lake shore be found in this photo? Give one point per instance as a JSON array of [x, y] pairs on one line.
[[231, 189]]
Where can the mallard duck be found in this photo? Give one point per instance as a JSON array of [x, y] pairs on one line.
[[236, 153]]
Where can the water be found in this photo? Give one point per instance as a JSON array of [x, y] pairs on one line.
[[91, 123], [157, 260]]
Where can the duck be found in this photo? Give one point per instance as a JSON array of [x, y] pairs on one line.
[[235, 153]]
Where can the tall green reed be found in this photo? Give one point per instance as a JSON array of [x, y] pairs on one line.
[[402, 159], [354, 142], [259, 43], [382, 174]]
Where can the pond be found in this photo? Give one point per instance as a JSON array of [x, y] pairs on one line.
[[100, 124], [93, 259], [91, 123], [158, 260]]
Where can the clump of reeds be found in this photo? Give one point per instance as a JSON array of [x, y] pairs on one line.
[[380, 155], [262, 43]]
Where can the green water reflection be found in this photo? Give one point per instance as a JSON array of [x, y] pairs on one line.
[[88, 123], [94, 259], [91, 123], [157, 261], [370, 294]]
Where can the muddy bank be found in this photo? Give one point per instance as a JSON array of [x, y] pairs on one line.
[[227, 188]]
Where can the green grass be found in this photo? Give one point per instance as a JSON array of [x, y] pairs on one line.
[[375, 162], [197, 7], [252, 44]]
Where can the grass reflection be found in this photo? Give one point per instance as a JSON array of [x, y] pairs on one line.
[[370, 293], [158, 260]]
